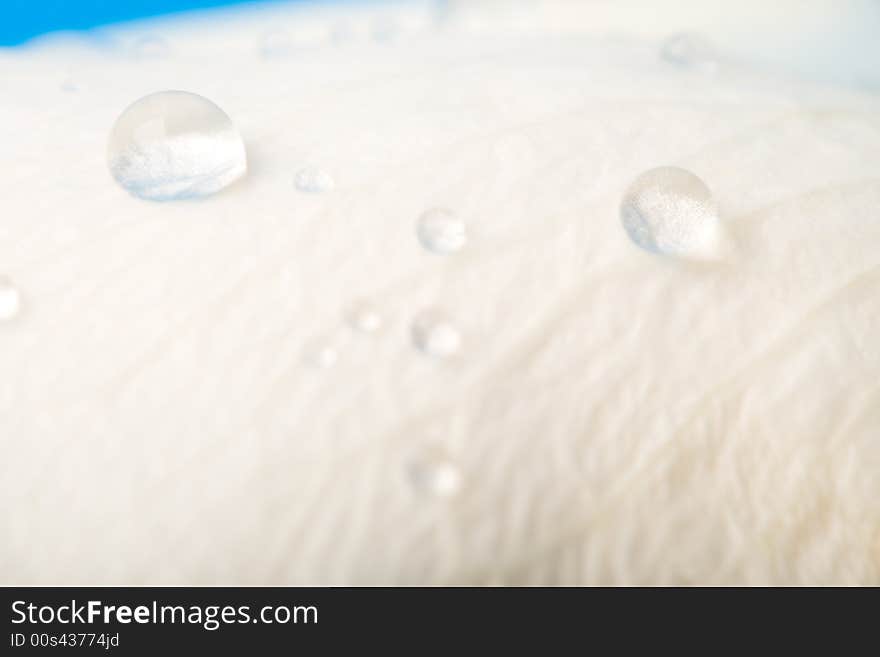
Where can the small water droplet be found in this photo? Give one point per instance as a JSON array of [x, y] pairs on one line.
[[341, 34], [670, 211], [364, 317], [690, 51], [444, 12], [435, 335], [314, 180], [440, 231], [10, 300], [435, 474], [277, 43], [150, 47], [385, 30], [68, 85], [174, 145], [321, 353]]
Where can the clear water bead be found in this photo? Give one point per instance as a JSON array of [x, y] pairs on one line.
[[10, 300], [670, 211], [435, 335], [364, 318], [440, 231], [174, 145], [314, 181], [690, 51], [435, 474]]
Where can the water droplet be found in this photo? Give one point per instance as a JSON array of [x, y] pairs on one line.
[[444, 12], [174, 145], [342, 33], [670, 211], [385, 30], [690, 51], [321, 353], [10, 300], [435, 335], [277, 43], [435, 474], [314, 180], [364, 318], [68, 85], [441, 231], [150, 47]]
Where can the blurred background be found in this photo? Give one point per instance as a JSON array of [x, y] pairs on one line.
[[828, 40], [24, 19]]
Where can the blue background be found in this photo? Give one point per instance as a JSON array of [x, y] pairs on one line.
[[22, 19]]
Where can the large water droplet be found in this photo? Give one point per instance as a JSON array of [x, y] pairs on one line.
[[314, 180], [10, 300], [174, 145], [670, 211], [435, 474], [690, 51], [440, 231], [364, 317], [435, 335]]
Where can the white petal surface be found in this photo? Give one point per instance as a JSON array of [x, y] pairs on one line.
[[615, 417]]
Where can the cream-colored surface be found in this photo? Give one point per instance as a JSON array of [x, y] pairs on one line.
[[617, 417]]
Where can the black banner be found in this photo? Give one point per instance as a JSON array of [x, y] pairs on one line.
[[125, 621], [135, 620]]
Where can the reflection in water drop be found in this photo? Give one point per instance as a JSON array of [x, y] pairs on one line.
[[441, 231], [435, 335], [314, 180], [174, 145], [670, 211], [10, 300], [690, 51]]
